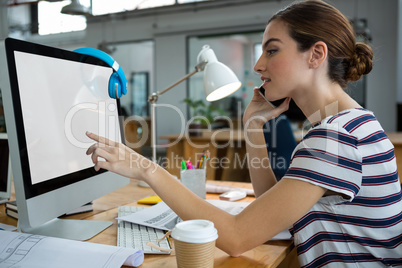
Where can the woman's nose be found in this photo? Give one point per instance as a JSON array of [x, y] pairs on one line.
[[259, 67]]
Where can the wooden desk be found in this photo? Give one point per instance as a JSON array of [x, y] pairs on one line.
[[227, 149], [271, 254], [396, 139]]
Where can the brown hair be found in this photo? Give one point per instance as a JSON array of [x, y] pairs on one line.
[[314, 20]]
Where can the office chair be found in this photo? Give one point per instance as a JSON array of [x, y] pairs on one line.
[[280, 143]]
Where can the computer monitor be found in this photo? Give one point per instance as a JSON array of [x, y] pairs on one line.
[[5, 170], [53, 98]]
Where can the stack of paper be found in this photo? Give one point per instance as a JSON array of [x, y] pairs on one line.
[[27, 250]]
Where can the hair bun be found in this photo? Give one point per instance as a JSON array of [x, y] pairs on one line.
[[360, 63]]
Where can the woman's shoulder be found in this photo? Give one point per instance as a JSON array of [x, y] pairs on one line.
[[355, 124], [353, 121], [348, 117]]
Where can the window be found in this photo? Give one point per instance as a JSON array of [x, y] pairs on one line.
[[52, 21], [100, 7], [140, 88]]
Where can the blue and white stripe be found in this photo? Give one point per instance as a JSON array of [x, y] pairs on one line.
[[349, 153]]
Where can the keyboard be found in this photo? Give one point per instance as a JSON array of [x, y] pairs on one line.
[[131, 235]]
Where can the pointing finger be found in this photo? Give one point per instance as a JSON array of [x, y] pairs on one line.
[[100, 139]]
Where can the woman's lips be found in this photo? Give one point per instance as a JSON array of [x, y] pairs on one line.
[[265, 81]]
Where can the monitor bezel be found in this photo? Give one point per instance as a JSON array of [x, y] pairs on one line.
[[33, 190]]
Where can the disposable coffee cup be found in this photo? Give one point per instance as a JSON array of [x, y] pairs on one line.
[[194, 243]]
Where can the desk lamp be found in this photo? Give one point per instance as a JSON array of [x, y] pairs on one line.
[[76, 8], [219, 82]]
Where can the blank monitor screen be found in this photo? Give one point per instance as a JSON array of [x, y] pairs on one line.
[[54, 111]]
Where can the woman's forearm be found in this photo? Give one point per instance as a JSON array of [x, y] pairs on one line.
[[261, 174], [189, 206]]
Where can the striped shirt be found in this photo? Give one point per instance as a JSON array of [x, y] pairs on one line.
[[350, 154]]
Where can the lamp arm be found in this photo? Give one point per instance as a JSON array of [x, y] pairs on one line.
[[178, 82], [154, 98]]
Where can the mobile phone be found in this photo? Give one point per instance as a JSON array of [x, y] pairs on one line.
[[262, 93]]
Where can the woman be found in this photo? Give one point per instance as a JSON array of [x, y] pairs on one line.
[[341, 193]]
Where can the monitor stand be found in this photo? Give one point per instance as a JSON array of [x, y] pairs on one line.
[[70, 229]]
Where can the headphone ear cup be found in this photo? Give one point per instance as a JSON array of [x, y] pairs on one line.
[[114, 79]]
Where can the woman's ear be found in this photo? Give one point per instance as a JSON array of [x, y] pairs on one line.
[[319, 52]]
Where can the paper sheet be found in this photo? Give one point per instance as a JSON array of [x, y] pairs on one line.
[[228, 206], [26, 251], [219, 189], [6, 227], [160, 216]]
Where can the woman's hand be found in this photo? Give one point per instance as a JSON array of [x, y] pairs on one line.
[[259, 111], [118, 158]]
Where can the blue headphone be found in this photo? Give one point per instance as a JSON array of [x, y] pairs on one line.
[[117, 82]]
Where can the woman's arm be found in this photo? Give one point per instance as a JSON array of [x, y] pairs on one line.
[[261, 175], [257, 113], [269, 214]]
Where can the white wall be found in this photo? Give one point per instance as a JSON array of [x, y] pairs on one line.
[[381, 82], [169, 31], [170, 66]]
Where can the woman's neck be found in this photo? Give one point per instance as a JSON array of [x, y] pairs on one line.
[[319, 102]]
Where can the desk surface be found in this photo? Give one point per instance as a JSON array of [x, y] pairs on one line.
[[270, 254]]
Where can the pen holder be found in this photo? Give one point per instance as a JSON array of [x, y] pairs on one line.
[[195, 180]]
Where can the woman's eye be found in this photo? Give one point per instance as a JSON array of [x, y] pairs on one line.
[[271, 51]]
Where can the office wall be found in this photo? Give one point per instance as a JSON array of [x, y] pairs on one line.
[[170, 66], [381, 83], [3, 21], [134, 57], [169, 32]]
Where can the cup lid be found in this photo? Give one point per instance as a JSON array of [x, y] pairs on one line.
[[195, 231]]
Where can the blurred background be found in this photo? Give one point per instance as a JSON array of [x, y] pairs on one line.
[[157, 42]]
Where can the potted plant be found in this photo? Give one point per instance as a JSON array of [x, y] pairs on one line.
[[203, 114]]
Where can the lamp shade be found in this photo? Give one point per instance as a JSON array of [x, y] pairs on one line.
[[219, 80], [76, 8]]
